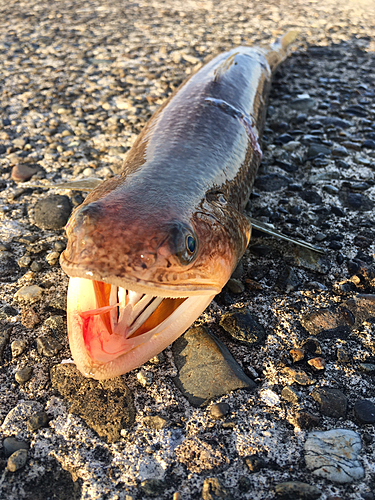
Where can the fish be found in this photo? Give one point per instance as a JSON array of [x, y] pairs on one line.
[[150, 248]]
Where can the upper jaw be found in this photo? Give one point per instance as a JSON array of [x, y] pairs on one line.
[[149, 287]]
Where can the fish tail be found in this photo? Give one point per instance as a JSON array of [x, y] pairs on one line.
[[280, 48]]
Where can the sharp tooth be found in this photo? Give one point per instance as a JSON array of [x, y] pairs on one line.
[[139, 307], [113, 299], [145, 314], [134, 297]]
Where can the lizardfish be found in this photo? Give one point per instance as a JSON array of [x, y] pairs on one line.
[[149, 249]]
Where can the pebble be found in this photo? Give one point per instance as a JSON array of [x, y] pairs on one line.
[[17, 460], [145, 377], [152, 487], [302, 104], [333, 455], [290, 394], [214, 490], [53, 258], [48, 346], [235, 286], [242, 326], [24, 261], [52, 212], [23, 375], [15, 421], [11, 445], [364, 410], [311, 197], [299, 376], [296, 489], [317, 363], [333, 403], [255, 463], [29, 293], [296, 355], [305, 420], [219, 410], [18, 347], [368, 368], [271, 182], [38, 420], [155, 422], [29, 318], [339, 151], [206, 369], [291, 146], [23, 172], [323, 319], [106, 406], [318, 149], [369, 144]]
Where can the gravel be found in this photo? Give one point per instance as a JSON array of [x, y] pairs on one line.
[[79, 81]]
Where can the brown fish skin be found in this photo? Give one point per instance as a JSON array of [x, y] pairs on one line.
[[171, 225]]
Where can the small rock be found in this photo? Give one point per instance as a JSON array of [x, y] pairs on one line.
[[48, 346], [333, 403], [213, 490], [17, 460], [340, 151], [206, 368], [29, 293], [52, 212], [364, 410], [255, 463], [242, 326], [23, 375], [311, 197], [29, 318], [290, 394], [296, 355], [317, 363], [318, 149], [368, 368], [305, 420], [53, 258], [219, 410], [12, 445], [17, 347], [333, 455], [303, 103], [145, 378], [24, 261], [23, 172], [299, 376], [106, 406], [152, 487], [235, 286], [38, 420], [155, 422], [271, 182], [296, 489]]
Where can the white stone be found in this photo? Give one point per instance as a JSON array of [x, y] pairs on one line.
[[334, 455]]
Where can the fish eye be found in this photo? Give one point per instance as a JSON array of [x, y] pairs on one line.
[[184, 242], [190, 244]]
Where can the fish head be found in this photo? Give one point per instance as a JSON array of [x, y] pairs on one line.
[[139, 277]]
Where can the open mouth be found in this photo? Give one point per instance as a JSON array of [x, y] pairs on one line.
[[113, 330], [122, 319]]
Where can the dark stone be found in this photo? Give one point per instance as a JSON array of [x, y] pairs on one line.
[[335, 245], [219, 410], [306, 420], [290, 394], [364, 410], [311, 197], [48, 346], [337, 122], [106, 406], [213, 490], [359, 201], [337, 211], [333, 403], [11, 445], [318, 149], [52, 212], [38, 420], [288, 280], [369, 143], [288, 167], [152, 487], [206, 368], [296, 489], [242, 326], [255, 463], [284, 139], [271, 182]]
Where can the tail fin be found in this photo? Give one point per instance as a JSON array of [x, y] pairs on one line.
[[279, 49]]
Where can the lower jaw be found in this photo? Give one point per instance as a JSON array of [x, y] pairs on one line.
[[141, 346]]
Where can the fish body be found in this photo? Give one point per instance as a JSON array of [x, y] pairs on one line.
[[150, 248]]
